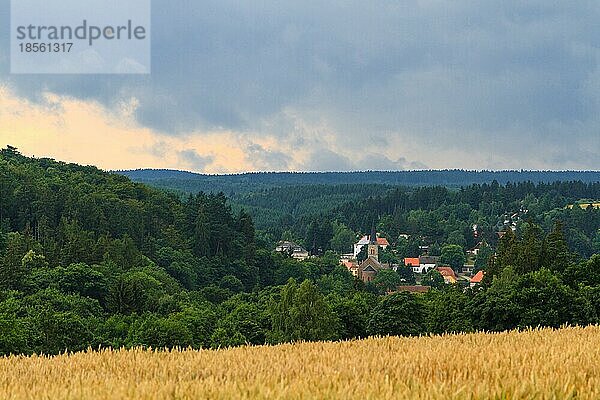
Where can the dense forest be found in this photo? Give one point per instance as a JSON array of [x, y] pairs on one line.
[[92, 259], [330, 217], [251, 182], [434, 214]]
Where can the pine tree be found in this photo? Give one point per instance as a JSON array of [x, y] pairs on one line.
[[557, 256], [530, 251], [507, 247]]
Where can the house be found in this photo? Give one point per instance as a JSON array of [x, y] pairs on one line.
[[448, 274], [421, 265], [427, 263], [347, 257], [475, 228], [475, 250], [368, 269], [292, 249], [429, 260], [365, 240], [352, 267], [414, 264], [477, 279], [383, 243], [468, 268]]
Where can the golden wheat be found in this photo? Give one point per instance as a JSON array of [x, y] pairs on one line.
[[545, 364]]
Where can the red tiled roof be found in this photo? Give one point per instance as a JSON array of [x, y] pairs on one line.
[[348, 264], [412, 262], [478, 277], [446, 271], [383, 242]]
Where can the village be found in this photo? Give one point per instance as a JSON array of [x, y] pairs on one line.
[[367, 267]]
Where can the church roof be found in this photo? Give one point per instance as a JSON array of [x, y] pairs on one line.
[[372, 262]]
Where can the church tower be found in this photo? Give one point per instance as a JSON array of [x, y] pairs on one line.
[[373, 246]]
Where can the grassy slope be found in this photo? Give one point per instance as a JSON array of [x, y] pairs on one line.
[[532, 364]]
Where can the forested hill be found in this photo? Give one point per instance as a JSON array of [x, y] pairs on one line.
[[249, 182], [67, 213], [90, 259]]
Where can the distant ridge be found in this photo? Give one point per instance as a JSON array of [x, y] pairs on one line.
[[252, 181]]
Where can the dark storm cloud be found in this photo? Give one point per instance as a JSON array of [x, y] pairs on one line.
[[379, 162], [195, 161], [327, 160], [267, 160], [460, 76]]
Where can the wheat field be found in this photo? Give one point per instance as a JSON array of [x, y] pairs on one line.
[[544, 364]]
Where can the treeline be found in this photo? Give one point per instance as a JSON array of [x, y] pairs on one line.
[[250, 182], [68, 314]]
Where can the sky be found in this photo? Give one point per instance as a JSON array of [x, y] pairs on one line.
[[329, 86]]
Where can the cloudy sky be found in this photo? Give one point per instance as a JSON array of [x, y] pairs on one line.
[[336, 85]]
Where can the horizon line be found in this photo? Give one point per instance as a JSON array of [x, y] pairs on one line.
[[519, 171]]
